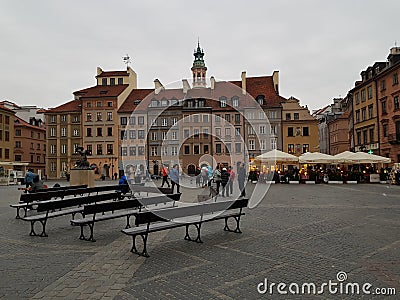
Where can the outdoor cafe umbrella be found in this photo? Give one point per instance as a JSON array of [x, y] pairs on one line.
[[277, 156], [360, 158], [316, 158]]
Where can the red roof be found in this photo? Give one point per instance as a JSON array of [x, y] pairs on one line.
[[129, 104], [113, 73], [20, 122], [102, 91], [71, 106]]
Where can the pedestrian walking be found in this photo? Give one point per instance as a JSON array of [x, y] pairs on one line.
[[164, 173], [241, 180], [232, 175], [224, 181], [174, 175], [29, 178], [217, 178]]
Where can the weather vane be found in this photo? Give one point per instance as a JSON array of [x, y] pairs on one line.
[[126, 59]]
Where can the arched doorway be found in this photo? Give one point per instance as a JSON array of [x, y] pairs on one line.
[[191, 170]]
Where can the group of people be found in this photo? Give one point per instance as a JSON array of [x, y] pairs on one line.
[[173, 175], [33, 182]]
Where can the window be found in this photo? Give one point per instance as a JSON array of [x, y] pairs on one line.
[[260, 100], [140, 120], [235, 101], [252, 145], [17, 144], [273, 143], [112, 81], [18, 157], [237, 131], [357, 115], [63, 131], [88, 148], [99, 149], [227, 117], [88, 117], [272, 114], [385, 127], [140, 150], [371, 135], [396, 102], [7, 154], [31, 146], [99, 116], [222, 101], [132, 134], [365, 136], [38, 147], [1, 118], [384, 107], [124, 120], [109, 104], [63, 149], [32, 134], [250, 115], [357, 96], [132, 120], [369, 92], [174, 121], [262, 129], [52, 131], [290, 131], [395, 78], [186, 118], [205, 149], [273, 130], [109, 116], [164, 135], [88, 104], [383, 85], [141, 134], [205, 118], [154, 136], [120, 81], [306, 148], [132, 151], [291, 148], [370, 111], [99, 104], [164, 151], [124, 151], [186, 133], [1, 152], [174, 150], [238, 148], [296, 116], [53, 149], [250, 130], [217, 118], [227, 131], [237, 118], [288, 116], [164, 121], [363, 96], [205, 132], [104, 81], [358, 138], [89, 131], [99, 131], [196, 149], [174, 135], [64, 118], [228, 148], [110, 149], [186, 149], [364, 114], [109, 131], [305, 132], [18, 132], [218, 148]]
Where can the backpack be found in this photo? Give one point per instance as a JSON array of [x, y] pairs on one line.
[[217, 175]]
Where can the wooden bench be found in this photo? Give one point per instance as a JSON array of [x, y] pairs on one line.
[[150, 189], [55, 208], [26, 200], [157, 220], [94, 213]]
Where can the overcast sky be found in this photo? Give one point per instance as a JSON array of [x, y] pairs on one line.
[[51, 48]]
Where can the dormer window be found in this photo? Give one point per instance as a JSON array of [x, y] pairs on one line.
[[103, 92], [120, 81], [104, 81], [235, 101], [222, 101], [112, 81], [260, 99]]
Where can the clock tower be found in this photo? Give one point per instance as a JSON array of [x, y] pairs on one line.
[[199, 68]]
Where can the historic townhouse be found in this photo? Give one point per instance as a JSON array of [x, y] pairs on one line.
[[6, 135], [63, 135], [388, 89], [30, 145], [300, 128]]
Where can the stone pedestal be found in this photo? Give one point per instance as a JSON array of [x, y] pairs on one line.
[[82, 176]]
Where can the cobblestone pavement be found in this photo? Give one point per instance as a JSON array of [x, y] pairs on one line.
[[297, 234]]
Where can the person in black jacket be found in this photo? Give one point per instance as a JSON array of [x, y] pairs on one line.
[[241, 180], [224, 181]]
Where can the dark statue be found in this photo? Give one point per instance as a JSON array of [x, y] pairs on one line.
[[82, 163]]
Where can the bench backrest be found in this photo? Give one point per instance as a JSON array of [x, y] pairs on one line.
[[106, 188], [168, 214], [150, 189], [76, 201], [47, 195], [65, 188], [111, 206]]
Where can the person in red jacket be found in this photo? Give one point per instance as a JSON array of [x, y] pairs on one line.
[[164, 172]]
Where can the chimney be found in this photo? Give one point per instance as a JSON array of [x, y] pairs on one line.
[[244, 82], [275, 79], [185, 86], [212, 80], [99, 71], [157, 86]]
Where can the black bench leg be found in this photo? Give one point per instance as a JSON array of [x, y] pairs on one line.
[[43, 222], [237, 229], [33, 233], [128, 225], [91, 238], [18, 216], [134, 249], [187, 236]]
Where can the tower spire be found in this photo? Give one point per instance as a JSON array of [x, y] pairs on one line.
[[199, 68]]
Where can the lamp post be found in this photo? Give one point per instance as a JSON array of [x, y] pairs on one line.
[[113, 159]]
